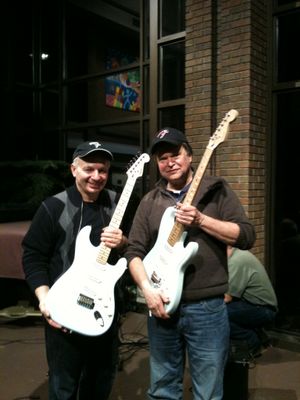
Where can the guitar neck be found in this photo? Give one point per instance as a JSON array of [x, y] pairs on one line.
[[217, 138], [116, 219], [178, 228], [198, 177]]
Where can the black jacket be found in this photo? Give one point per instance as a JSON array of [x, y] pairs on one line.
[[49, 244]]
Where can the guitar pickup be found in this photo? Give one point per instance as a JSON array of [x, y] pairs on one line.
[[85, 301], [155, 278]]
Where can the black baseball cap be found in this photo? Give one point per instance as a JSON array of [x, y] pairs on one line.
[[168, 135], [86, 148]]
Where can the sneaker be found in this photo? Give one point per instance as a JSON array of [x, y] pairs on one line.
[[258, 351]]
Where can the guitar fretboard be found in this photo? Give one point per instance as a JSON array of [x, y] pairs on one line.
[[217, 138], [133, 173], [178, 228], [116, 219]]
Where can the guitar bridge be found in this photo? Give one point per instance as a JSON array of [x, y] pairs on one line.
[[85, 301]]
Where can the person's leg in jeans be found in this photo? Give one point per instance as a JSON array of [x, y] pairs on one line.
[[201, 328], [245, 319], [64, 364], [167, 359], [81, 364], [206, 330], [99, 365]]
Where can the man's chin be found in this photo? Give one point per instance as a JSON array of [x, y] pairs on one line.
[[94, 189]]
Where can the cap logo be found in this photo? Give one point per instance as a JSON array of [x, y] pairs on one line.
[[96, 144], [162, 133]]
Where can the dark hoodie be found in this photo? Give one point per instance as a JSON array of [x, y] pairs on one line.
[[207, 275]]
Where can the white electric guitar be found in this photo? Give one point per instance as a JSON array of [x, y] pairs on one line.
[[82, 299], [167, 261]]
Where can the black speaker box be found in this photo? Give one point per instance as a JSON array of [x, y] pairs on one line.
[[236, 381]]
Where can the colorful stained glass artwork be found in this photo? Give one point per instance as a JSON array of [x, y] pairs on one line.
[[123, 91]]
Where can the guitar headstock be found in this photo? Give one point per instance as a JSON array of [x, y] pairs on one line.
[[221, 132], [137, 166]]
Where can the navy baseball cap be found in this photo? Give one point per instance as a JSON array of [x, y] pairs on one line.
[[86, 148], [168, 135]]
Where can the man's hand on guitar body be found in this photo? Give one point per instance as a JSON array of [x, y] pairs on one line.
[[41, 293], [155, 299]]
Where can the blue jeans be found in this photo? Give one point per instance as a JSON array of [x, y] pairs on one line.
[[245, 318], [81, 367], [200, 330]]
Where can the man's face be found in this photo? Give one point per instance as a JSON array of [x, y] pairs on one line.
[[91, 175], [174, 164]]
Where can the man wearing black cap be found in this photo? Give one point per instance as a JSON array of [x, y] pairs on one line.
[[79, 365], [199, 325]]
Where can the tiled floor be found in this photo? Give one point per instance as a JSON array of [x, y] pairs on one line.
[[23, 369]]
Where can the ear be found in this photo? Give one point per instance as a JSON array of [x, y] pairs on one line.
[[73, 170]]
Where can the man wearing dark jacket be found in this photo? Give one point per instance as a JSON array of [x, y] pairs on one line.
[[199, 325], [80, 366]]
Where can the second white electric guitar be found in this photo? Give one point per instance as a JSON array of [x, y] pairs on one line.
[[167, 261], [82, 299]]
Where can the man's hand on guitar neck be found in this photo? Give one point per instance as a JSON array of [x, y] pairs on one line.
[[225, 231], [113, 238], [188, 215]]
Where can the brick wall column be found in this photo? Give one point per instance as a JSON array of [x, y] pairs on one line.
[[226, 64]]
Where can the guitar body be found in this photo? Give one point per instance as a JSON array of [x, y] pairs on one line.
[[82, 299], [165, 264]]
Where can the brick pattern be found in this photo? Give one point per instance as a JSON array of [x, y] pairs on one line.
[[226, 66]]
